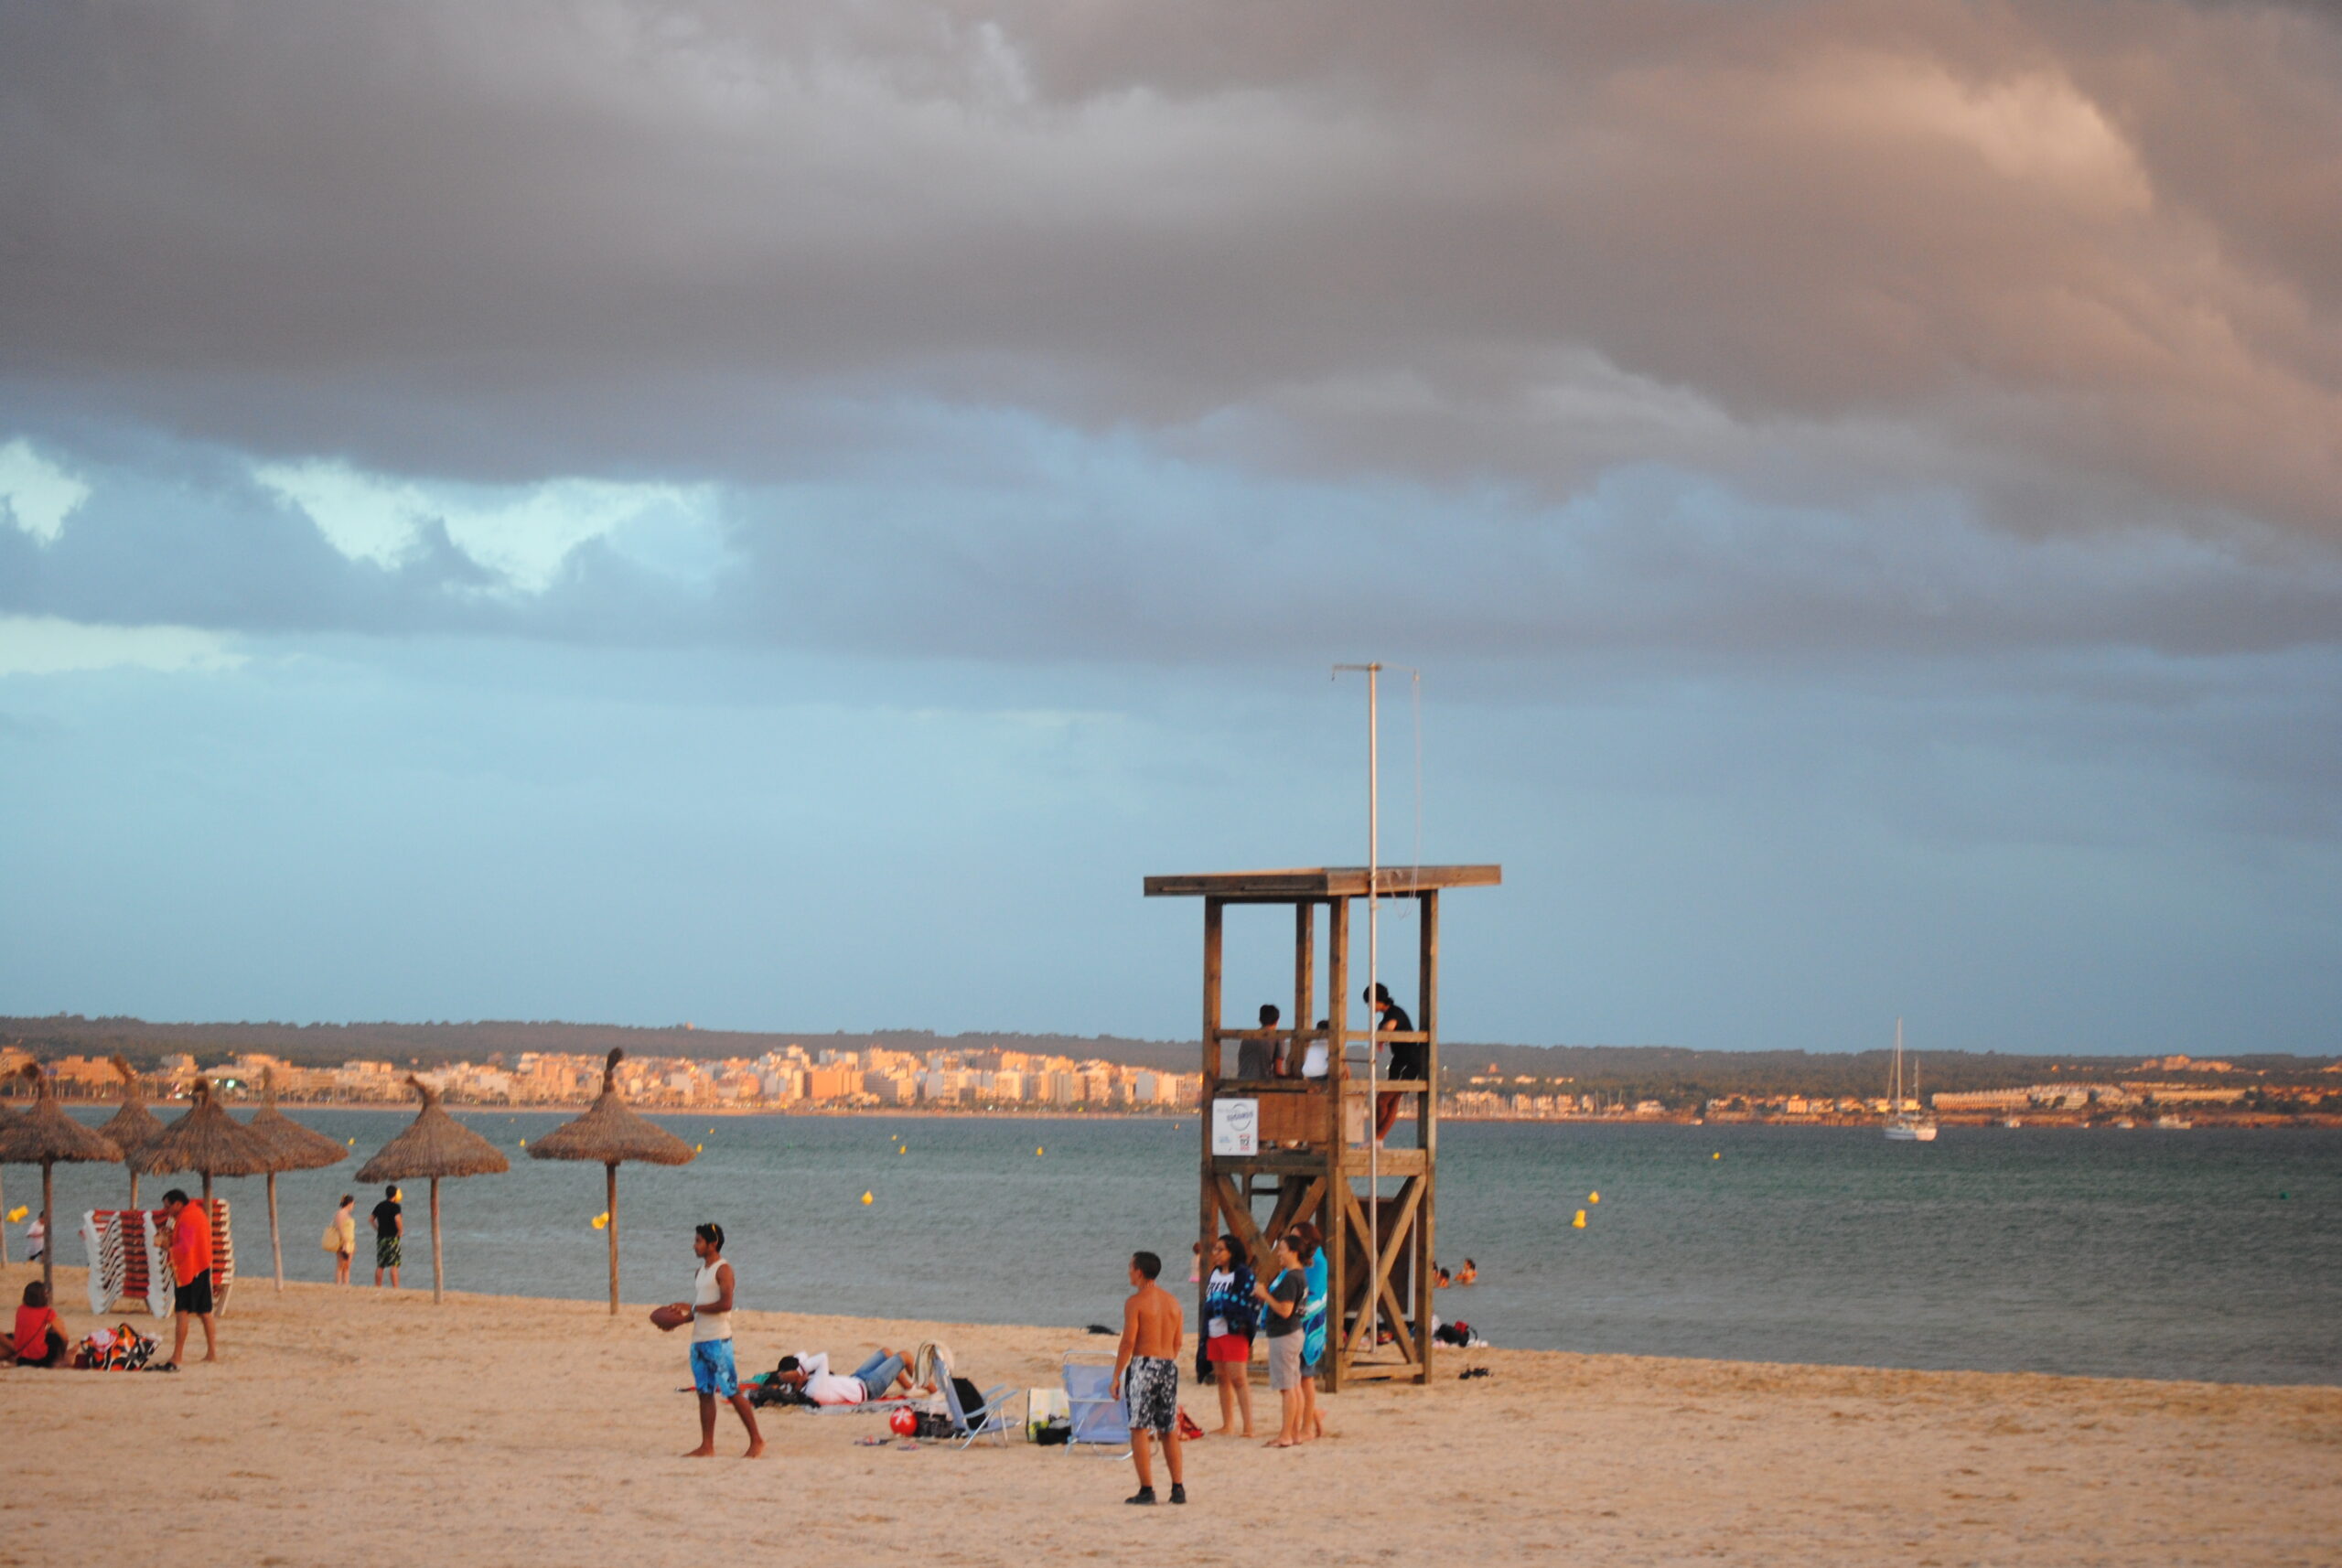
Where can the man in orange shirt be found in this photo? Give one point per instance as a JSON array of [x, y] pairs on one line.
[[188, 1230]]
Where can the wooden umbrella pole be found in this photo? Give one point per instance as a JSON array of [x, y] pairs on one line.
[[134, 1192], [612, 1207], [49, 1229], [276, 1248], [434, 1239], [4, 1230]]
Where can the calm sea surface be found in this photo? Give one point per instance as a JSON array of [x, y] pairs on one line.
[[2213, 1254]]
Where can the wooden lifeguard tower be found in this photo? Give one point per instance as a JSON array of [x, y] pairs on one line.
[[1312, 1153]]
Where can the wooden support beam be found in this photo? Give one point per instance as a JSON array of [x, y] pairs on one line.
[[1337, 1186], [1209, 1227], [1304, 981], [1427, 1124]]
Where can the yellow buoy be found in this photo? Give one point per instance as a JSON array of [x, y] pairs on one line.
[[1036, 1153], [1717, 1156], [1579, 1222], [525, 1142], [699, 1148], [16, 1215], [602, 1221], [1594, 1198], [866, 1198], [902, 1148]]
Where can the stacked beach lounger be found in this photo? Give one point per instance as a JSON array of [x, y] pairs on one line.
[[127, 1258]]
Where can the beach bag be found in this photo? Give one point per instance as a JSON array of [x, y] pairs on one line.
[[972, 1398], [331, 1240]]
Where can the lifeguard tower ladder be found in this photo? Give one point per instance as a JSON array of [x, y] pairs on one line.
[[1314, 1158]]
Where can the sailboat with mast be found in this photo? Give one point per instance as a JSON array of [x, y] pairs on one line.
[[1907, 1126]]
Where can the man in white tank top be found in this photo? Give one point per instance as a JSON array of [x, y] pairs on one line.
[[713, 1372]]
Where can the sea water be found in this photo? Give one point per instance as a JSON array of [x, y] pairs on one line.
[[2209, 1254]]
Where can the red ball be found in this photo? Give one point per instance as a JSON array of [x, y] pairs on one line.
[[904, 1422]]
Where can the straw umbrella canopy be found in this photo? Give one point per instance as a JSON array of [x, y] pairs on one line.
[[610, 1134], [297, 1149], [134, 1126], [434, 1146], [42, 1136], [208, 1142]]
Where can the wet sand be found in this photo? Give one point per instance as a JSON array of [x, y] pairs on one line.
[[364, 1427]]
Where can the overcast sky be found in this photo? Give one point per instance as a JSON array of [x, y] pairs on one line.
[[780, 517]]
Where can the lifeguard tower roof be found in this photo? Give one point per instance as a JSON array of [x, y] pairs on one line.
[[1322, 882]]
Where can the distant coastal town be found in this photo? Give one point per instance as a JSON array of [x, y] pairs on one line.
[[2166, 1092], [791, 1079]]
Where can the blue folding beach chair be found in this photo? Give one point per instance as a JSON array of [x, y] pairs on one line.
[[989, 1419], [1098, 1422]]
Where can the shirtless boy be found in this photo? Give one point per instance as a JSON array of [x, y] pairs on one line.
[[1146, 1369]]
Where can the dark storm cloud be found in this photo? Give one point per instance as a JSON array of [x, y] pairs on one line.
[[1815, 247]]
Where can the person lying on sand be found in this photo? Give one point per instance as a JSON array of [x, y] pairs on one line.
[[885, 1375]]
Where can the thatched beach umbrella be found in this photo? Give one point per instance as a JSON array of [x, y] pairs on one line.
[[297, 1149], [208, 1142], [134, 1126], [434, 1145], [42, 1136], [611, 1134]]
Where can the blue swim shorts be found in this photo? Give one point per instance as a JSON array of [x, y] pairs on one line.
[[712, 1368]]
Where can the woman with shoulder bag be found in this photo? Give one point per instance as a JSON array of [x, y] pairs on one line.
[[341, 1238]]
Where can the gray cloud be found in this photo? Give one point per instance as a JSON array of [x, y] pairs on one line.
[[1820, 248]]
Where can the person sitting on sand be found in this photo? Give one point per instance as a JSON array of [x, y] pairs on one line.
[[187, 1232], [713, 1374], [809, 1373], [39, 1339]]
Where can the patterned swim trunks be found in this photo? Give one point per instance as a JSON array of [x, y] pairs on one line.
[[1151, 1394], [713, 1372], [386, 1251]]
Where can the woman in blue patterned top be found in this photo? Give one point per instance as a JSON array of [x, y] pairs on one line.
[[1230, 1319]]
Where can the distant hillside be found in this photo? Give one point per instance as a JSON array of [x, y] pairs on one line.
[[1669, 1071]]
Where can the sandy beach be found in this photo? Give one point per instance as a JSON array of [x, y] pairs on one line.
[[352, 1426]]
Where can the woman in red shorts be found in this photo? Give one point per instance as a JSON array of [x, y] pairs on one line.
[[1230, 1319]]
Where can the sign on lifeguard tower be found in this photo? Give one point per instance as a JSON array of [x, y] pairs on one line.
[[1235, 1127]]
